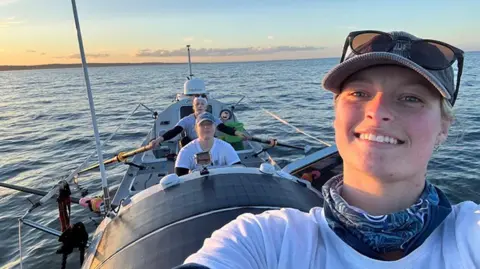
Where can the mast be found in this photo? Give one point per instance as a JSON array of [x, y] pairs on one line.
[[189, 62], [106, 195]]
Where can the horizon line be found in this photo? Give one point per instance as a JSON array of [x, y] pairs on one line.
[[7, 67], [105, 64]]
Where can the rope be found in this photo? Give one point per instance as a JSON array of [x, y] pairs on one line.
[[288, 124], [20, 241], [64, 260], [147, 108], [64, 214], [75, 172], [295, 128]]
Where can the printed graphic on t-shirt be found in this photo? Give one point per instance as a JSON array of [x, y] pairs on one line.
[[221, 153]]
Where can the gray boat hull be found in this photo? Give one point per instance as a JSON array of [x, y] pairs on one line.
[[162, 227]]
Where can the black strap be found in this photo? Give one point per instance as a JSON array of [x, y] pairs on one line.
[[74, 237]]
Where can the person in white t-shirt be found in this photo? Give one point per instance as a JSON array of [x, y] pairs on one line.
[[393, 95], [221, 152], [188, 124]]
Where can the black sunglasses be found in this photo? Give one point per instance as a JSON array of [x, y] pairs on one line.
[[200, 95], [430, 54]]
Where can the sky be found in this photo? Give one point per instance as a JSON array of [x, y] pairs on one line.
[[43, 31]]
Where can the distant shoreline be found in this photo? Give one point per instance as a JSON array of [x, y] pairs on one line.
[[79, 65], [61, 66]]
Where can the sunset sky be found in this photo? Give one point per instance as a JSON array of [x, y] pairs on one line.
[[43, 31]]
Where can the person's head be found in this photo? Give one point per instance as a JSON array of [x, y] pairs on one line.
[[393, 100], [199, 105], [205, 126]]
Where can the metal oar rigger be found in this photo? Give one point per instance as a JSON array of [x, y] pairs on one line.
[[32, 191], [305, 149]]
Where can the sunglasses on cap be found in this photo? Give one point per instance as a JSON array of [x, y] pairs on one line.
[[429, 54]]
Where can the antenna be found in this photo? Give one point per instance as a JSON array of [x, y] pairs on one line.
[[106, 196], [189, 62]]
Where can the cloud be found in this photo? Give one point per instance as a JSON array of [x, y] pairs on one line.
[[224, 52], [188, 39], [270, 37], [34, 51], [7, 2], [7, 22], [207, 40], [88, 55]]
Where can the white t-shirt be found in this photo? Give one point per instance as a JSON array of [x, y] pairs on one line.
[[289, 238], [188, 125], [222, 154]]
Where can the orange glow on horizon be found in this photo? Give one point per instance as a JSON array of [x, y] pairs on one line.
[[33, 57]]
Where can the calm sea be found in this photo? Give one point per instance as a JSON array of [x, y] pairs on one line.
[[45, 130]]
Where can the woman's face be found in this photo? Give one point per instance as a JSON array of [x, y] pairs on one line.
[[199, 106], [387, 122], [205, 130]]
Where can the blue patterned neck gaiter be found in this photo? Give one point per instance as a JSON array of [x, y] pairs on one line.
[[374, 235]]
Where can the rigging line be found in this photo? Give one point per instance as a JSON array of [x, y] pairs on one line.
[[288, 124], [295, 128], [20, 242], [75, 172]]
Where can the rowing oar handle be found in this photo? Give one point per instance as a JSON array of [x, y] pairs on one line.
[[265, 141], [120, 157], [256, 139], [124, 155]]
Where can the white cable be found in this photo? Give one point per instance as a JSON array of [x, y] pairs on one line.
[[20, 241], [75, 172], [295, 128], [288, 124]]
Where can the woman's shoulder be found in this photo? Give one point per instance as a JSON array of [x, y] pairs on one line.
[[191, 146], [188, 118], [467, 212], [285, 215], [222, 143], [276, 223], [259, 239], [463, 227], [467, 216]]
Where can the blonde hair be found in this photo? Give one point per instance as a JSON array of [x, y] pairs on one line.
[[200, 99], [447, 110]]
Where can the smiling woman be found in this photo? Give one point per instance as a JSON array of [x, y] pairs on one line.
[[393, 98], [389, 120]]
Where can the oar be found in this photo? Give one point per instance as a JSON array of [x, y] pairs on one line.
[[306, 149], [120, 157], [32, 191]]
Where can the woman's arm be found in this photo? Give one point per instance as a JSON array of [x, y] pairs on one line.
[[226, 129], [238, 245], [172, 133], [180, 171]]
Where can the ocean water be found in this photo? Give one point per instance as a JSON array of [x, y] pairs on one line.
[[46, 132]]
